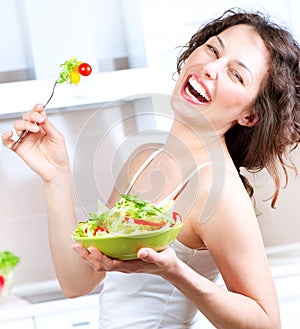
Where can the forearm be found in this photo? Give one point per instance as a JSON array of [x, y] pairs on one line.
[[74, 275], [225, 309]]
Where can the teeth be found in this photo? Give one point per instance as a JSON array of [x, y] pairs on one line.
[[200, 90]]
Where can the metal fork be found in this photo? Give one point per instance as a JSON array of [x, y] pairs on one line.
[[25, 132]]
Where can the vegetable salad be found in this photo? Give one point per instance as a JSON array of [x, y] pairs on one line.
[[129, 216]]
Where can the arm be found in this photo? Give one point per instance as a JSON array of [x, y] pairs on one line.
[[44, 151], [76, 277], [233, 238]]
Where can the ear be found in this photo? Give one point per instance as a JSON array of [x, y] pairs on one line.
[[249, 120]]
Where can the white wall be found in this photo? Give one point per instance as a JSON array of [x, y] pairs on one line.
[[280, 225]]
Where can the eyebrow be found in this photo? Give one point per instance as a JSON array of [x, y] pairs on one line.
[[220, 41], [237, 61]]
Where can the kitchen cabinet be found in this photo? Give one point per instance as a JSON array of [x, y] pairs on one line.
[[24, 324], [42, 305]]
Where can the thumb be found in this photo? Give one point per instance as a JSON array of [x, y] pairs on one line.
[[146, 254], [7, 139], [161, 258]]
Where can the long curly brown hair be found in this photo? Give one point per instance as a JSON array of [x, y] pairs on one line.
[[269, 143]]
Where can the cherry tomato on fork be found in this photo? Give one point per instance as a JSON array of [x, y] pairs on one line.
[[85, 69]]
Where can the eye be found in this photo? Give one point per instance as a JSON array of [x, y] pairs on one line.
[[237, 76], [213, 49]]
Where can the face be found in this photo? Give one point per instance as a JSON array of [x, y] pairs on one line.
[[222, 78]]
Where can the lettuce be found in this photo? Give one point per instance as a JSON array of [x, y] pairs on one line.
[[68, 67], [8, 261], [133, 206]]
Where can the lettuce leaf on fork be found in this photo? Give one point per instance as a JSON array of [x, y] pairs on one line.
[[69, 71]]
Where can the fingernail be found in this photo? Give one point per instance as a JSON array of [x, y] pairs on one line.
[[36, 128], [90, 249], [7, 134], [143, 254], [76, 249], [38, 118]]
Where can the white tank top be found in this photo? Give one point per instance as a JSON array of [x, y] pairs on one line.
[[146, 301]]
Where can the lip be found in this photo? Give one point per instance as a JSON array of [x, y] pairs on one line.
[[190, 98]]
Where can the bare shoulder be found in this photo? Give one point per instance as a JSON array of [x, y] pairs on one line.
[[231, 209]]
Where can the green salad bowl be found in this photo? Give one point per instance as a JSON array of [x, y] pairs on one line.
[[125, 247]]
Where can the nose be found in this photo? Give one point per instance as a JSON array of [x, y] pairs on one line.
[[212, 69]]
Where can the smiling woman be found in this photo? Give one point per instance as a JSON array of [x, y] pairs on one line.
[[236, 104], [278, 123]]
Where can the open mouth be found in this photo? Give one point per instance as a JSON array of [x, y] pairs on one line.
[[194, 92]]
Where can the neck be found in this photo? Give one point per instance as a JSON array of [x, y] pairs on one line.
[[199, 143]]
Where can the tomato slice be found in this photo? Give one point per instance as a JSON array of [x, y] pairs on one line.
[[100, 229], [85, 69], [141, 221], [176, 216]]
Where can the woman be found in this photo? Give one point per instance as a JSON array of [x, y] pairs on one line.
[[238, 75]]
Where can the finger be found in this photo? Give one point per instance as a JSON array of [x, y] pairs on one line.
[[31, 120], [98, 258], [151, 256], [90, 256], [147, 254], [37, 114], [7, 139], [80, 250], [39, 108], [38, 117], [21, 126], [34, 117]]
